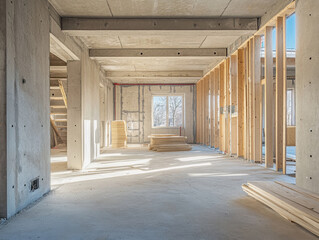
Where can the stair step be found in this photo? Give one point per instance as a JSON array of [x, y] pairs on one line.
[[55, 103], [61, 120], [58, 78], [55, 93], [58, 111], [61, 124], [60, 117]]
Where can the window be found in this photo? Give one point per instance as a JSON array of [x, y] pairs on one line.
[[290, 107], [168, 111]]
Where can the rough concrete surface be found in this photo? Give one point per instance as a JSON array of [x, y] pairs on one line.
[[138, 194], [307, 94], [27, 110], [134, 105]]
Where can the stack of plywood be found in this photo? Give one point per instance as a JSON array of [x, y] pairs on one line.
[[168, 143], [119, 134], [292, 202]]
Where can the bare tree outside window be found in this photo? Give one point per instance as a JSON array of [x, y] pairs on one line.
[[168, 111], [175, 105], [159, 111]]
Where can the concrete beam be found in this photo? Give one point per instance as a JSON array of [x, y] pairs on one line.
[[152, 74], [74, 25], [159, 52]]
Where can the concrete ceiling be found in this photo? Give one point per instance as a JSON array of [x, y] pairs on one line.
[[160, 39], [162, 8]]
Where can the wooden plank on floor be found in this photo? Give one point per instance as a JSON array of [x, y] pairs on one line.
[[241, 103], [269, 125]]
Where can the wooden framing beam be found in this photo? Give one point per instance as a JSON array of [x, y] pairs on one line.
[[257, 100], [203, 112], [227, 107], [280, 104], [222, 104], [268, 98], [233, 104], [197, 112], [284, 98], [212, 107], [217, 112], [251, 101], [206, 93], [241, 103], [246, 108]]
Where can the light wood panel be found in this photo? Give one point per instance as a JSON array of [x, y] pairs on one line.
[[222, 106], [279, 93], [268, 98], [247, 141], [227, 106], [233, 101], [217, 100], [251, 101], [203, 112], [257, 100], [284, 99], [241, 103], [197, 112], [212, 105]]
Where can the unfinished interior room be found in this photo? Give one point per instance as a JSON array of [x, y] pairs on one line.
[[159, 119]]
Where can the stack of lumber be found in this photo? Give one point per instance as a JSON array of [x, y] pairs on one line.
[[292, 202], [168, 143], [119, 134]]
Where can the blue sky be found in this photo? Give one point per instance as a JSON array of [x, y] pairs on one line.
[[290, 33]]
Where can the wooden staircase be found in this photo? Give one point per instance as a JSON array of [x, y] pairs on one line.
[[58, 100]]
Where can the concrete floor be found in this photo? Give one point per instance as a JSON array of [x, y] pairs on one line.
[[138, 194]]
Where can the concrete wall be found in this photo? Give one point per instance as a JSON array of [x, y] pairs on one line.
[[83, 111], [90, 72], [75, 126], [27, 154], [134, 104], [307, 86], [106, 110], [3, 108]]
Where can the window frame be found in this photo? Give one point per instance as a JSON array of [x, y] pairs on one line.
[[167, 110]]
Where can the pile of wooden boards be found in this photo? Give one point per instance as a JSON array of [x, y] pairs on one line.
[[292, 202], [168, 143], [119, 134]]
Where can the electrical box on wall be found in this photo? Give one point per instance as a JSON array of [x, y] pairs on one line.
[[34, 184]]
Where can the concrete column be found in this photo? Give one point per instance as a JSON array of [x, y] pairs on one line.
[[3, 109], [307, 84], [75, 123], [24, 104]]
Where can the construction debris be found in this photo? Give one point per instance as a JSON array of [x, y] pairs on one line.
[[168, 143], [292, 202], [119, 134]]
